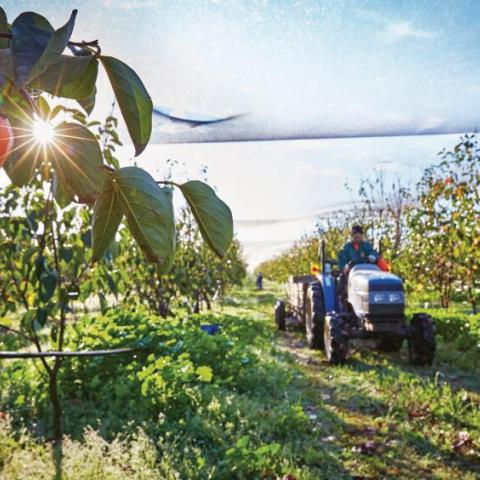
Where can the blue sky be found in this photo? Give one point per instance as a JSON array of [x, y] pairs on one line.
[[297, 69]]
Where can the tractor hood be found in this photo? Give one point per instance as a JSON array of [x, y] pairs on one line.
[[373, 292]]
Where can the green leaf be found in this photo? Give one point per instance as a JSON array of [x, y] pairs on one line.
[[69, 77], [213, 216], [26, 156], [66, 254], [3, 28], [107, 216], [103, 303], [56, 45], [77, 160], [6, 64], [204, 373], [111, 284], [61, 193], [44, 107], [87, 238], [48, 283], [31, 34], [54, 333], [26, 322], [133, 99], [42, 315], [88, 103], [16, 107], [148, 211]]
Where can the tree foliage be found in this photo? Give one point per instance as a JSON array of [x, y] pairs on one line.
[[34, 65], [47, 222], [445, 225]]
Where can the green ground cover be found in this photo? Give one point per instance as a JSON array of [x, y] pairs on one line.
[[247, 403]]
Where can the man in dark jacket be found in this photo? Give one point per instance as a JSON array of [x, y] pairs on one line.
[[356, 247]]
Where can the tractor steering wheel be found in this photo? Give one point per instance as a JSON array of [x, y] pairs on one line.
[[357, 261]]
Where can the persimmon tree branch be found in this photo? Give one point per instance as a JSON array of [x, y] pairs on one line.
[[168, 182], [93, 45], [15, 331]]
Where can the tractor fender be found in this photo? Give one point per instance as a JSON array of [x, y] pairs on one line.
[[327, 284]]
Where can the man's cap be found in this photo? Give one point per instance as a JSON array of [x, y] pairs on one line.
[[357, 229]]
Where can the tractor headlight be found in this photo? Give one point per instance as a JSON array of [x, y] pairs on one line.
[[395, 298], [379, 298]]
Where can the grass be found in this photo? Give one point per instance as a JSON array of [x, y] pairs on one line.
[[272, 407]]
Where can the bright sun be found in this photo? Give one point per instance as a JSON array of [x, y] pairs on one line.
[[43, 131]]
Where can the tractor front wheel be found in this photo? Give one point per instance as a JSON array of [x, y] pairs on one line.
[[421, 341], [335, 340], [280, 315]]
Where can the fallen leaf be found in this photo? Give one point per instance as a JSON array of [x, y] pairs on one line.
[[269, 475], [392, 427], [366, 448], [370, 430], [462, 440], [417, 413]]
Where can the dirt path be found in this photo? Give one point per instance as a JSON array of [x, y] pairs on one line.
[[387, 419]]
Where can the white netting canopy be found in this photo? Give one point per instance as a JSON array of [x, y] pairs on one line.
[[295, 69]]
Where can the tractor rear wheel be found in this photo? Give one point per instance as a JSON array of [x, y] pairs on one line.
[[280, 315], [421, 341], [314, 315], [335, 340], [390, 344]]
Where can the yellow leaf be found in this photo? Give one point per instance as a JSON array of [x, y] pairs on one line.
[[204, 373]]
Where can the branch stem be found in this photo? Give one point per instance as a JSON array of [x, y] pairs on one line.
[[87, 45]]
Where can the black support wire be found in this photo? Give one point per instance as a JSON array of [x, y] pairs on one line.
[[88, 353]]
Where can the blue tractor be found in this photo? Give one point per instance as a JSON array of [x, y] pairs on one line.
[[361, 303]]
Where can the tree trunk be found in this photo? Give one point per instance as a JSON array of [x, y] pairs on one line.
[[196, 307], [207, 301], [56, 407], [471, 297], [473, 303]]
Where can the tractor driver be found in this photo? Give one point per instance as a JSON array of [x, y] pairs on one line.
[[356, 247]]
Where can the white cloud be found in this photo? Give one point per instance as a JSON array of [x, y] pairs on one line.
[[131, 4], [395, 31]]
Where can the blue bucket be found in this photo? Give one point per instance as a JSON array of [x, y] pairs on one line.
[[212, 329]]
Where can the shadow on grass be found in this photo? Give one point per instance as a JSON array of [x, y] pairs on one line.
[[57, 453], [358, 393]]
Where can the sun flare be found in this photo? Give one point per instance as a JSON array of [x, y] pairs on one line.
[[43, 131]]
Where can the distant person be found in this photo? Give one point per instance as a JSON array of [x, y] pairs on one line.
[[259, 281], [355, 248]]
